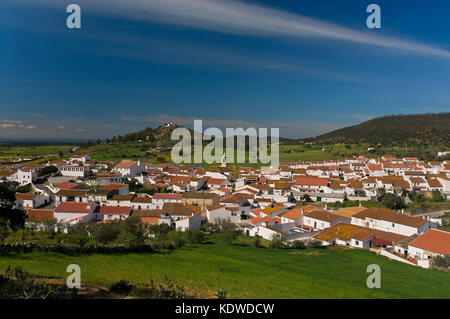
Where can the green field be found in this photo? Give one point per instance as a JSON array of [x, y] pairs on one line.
[[44, 153], [248, 272], [138, 151]]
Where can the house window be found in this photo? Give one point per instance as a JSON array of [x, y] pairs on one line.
[[357, 242], [393, 225]]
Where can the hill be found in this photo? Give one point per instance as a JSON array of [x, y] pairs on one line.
[[400, 130], [157, 137]]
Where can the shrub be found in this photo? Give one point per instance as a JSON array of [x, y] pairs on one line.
[[298, 244], [122, 287], [276, 241], [195, 236], [316, 244], [221, 294], [105, 233], [444, 262], [165, 290], [256, 242]]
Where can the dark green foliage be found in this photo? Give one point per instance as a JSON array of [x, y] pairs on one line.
[[221, 294], [122, 287], [11, 218], [105, 233], [24, 189], [276, 241], [437, 196], [7, 192], [49, 170], [444, 262], [426, 129], [316, 244], [17, 284], [298, 244], [392, 201], [256, 242]]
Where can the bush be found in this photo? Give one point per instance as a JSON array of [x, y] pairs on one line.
[[195, 236], [298, 244], [444, 262], [228, 236], [256, 242], [122, 287], [178, 238], [316, 244], [276, 241], [105, 233], [165, 290], [221, 294]]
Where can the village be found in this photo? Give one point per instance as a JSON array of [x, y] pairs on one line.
[[301, 201]]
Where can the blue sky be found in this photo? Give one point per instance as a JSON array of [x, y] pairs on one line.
[[307, 67]]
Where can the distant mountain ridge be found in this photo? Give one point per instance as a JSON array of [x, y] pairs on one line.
[[429, 129]]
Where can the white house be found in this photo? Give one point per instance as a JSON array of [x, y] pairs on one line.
[[219, 213], [26, 175], [72, 214], [321, 219], [386, 220], [188, 222], [159, 199], [430, 244], [73, 170], [107, 213], [129, 168], [29, 200]]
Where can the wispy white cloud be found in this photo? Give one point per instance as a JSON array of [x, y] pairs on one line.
[[236, 17]]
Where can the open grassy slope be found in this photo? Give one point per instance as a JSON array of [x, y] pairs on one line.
[[247, 272]]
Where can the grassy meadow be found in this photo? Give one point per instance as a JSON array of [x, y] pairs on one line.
[[247, 272]]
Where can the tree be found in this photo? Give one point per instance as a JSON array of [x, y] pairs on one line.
[[316, 244], [105, 233], [11, 218], [24, 189], [52, 227], [276, 241], [442, 261], [131, 232], [437, 196], [228, 235], [49, 170], [392, 201], [256, 242], [195, 236], [7, 193], [298, 244], [380, 194], [79, 235]]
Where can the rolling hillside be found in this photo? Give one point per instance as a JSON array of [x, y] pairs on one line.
[[428, 129]]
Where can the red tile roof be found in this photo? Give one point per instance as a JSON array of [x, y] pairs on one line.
[[310, 181], [112, 186], [436, 241], [38, 215], [166, 196], [113, 210], [70, 207], [25, 196]]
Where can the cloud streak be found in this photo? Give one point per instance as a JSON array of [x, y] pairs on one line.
[[236, 17]]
